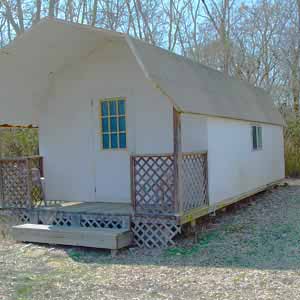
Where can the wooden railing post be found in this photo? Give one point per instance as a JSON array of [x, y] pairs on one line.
[[206, 179], [29, 183], [132, 182], [41, 166], [177, 161]]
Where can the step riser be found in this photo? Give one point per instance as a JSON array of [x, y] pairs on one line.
[[72, 236]]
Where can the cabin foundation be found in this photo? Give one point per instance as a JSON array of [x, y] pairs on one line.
[[153, 217]]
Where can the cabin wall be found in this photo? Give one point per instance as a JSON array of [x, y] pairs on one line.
[[194, 133], [76, 168], [234, 168]]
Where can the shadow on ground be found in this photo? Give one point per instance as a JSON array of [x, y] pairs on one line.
[[263, 233], [251, 251]]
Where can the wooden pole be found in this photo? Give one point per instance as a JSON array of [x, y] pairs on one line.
[[29, 183], [177, 161], [41, 165], [1, 173], [132, 182]]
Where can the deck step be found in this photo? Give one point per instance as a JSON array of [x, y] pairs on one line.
[[113, 239]]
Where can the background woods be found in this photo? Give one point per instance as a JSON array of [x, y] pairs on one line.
[[257, 41], [18, 142]]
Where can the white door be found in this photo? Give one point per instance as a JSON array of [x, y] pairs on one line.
[[112, 160]]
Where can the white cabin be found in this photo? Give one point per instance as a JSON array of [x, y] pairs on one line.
[[101, 98]]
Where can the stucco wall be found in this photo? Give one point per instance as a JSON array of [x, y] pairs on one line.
[[234, 168], [69, 127], [194, 133]]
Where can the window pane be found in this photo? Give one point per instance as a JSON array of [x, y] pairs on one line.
[[104, 108], [112, 108], [254, 138], [123, 140], [121, 107], [105, 141], [114, 141], [113, 124], [105, 125], [259, 137], [122, 124]]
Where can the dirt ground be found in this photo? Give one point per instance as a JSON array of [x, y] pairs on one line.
[[251, 251]]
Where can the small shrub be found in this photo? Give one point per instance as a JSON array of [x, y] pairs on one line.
[[18, 142]]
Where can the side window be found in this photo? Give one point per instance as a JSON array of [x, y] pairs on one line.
[[256, 137], [113, 123]]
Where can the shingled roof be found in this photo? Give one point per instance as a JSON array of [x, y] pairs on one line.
[[196, 88], [192, 87]]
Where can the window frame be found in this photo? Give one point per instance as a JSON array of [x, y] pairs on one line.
[[117, 116], [258, 136]]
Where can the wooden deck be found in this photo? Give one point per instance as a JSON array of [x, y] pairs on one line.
[[105, 208]]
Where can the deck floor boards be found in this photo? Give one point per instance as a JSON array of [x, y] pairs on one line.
[[94, 207]]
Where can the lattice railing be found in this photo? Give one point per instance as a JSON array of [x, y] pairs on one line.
[[70, 219], [153, 184], [152, 232], [20, 184], [194, 180]]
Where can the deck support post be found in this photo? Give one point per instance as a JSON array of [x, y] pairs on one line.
[[177, 161], [76, 220], [30, 204], [114, 253], [194, 230]]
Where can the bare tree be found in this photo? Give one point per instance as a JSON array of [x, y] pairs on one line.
[[220, 17], [255, 41], [38, 11], [10, 18], [51, 8]]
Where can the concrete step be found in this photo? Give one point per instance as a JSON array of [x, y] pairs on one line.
[[113, 239]]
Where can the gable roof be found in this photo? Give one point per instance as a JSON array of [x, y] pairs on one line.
[[196, 88], [192, 87]]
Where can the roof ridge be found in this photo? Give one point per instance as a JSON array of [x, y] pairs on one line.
[[199, 64]]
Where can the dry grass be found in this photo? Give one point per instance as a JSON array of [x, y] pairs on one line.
[[250, 252]]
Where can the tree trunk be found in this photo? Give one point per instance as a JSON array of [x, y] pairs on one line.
[[20, 15], [38, 11], [94, 13], [51, 8], [296, 66], [10, 18]]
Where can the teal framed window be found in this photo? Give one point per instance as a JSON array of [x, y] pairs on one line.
[[113, 123], [256, 132]]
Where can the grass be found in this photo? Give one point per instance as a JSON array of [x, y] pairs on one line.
[[250, 252]]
